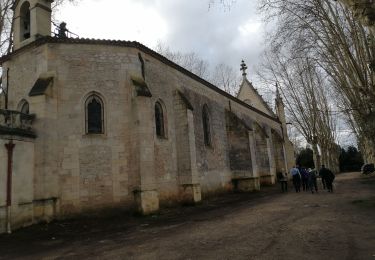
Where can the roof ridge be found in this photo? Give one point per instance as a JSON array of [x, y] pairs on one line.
[[134, 44]]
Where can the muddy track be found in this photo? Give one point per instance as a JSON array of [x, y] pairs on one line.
[[264, 225]]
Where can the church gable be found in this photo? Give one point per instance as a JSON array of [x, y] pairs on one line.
[[250, 95]]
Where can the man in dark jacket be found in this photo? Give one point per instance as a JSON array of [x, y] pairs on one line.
[[328, 177]]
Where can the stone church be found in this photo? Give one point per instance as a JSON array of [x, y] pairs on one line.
[[99, 124]]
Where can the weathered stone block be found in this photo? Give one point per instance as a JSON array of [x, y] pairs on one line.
[[190, 193], [267, 180], [147, 202], [246, 184]]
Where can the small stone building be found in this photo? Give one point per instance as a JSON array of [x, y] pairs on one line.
[[96, 124]]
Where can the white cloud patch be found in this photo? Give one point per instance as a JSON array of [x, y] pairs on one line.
[[218, 35], [249, 28], [114, 19]]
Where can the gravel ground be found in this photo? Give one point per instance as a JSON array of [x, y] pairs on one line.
[[262, 225]]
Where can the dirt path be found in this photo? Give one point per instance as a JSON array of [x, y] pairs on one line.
[[264, 225]]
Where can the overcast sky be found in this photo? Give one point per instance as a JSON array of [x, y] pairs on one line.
[[216, 34]]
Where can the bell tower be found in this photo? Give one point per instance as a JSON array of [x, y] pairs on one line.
[[32, 19]]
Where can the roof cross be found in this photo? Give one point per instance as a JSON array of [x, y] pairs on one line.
[[243, 68]]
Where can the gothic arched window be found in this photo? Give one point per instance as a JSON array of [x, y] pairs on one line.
[[94, 115], [23, 107], [159, 120], [25, 21], [206, 126]]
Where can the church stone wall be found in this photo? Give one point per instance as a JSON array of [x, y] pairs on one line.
[[212, 161], [95, 169], [22, 188], [75, 172], [239, 146], [162, 86]]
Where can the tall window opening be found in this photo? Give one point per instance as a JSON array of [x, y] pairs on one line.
[[206, 126], [94, 115], [25, 107], [159, 120], [25, 21]]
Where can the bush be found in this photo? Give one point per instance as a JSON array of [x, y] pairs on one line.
[[351, 160]]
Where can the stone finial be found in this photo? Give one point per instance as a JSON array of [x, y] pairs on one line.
[[243, 68], [278, 96]]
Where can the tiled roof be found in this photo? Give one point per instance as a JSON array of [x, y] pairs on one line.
[[141, 47]]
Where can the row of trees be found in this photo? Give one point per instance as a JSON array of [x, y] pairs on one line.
[[322, 58], [364, 10], [222, 75], [350, 159]]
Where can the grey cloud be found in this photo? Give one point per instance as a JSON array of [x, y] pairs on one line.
[[211, 33]]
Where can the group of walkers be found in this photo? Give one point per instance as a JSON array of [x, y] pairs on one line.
[[307, 178]]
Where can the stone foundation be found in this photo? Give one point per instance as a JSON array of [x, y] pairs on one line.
[[45, 210], [267, 180], [246, 184], [147, 202], [28, 213], [190, 193]]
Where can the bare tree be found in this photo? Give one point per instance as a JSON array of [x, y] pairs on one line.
[[222, 75], [302, 85], [6, 24], [189, 61], [364, 10], [341, 46], [224, 3], [226, 78]]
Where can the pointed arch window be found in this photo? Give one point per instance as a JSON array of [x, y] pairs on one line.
[[25, 21], [160, 120], [94, 115], [23, 107], [206, 126]]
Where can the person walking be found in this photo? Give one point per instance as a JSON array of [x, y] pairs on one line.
[[328, 177], [304, 178], [313, 185], [296, 176]]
